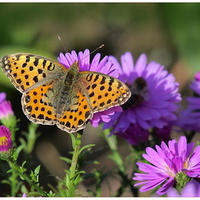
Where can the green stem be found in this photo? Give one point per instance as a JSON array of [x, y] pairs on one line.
[[24, 176], [122, 171], [71, 177], [112, 143], [13, 183]]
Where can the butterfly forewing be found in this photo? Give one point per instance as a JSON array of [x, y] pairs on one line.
[[26, 70], [104, 91]]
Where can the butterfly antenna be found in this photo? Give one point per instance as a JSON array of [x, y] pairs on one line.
[[59, 38], [101, 46]]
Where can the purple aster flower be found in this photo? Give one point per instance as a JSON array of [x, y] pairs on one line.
[[163, 134], [192, 189], [5, 139], [98, 65], [189, 118], [167, 162], [134, 135], [154, 95], [5, 107]]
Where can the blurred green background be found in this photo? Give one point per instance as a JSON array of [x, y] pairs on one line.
[[168, 33]]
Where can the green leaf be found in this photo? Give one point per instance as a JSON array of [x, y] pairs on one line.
[[88, 147], [37, 169], [67, 160]]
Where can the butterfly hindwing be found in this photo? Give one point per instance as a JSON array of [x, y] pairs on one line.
[[75, 116], [38, 107]]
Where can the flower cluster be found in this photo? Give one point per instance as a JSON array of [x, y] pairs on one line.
[[173, 167], [152, 108]]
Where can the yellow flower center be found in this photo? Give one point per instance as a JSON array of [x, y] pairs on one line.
[[185, 164], [3, 140], [169, 171]]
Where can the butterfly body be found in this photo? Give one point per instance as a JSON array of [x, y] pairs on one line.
[[54, 94]]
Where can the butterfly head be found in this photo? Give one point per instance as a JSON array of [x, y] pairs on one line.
[[74, 67]]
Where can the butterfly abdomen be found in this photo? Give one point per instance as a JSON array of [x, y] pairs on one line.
[[64, 92]]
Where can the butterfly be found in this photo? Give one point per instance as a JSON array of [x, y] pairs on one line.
[[56, 95]]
